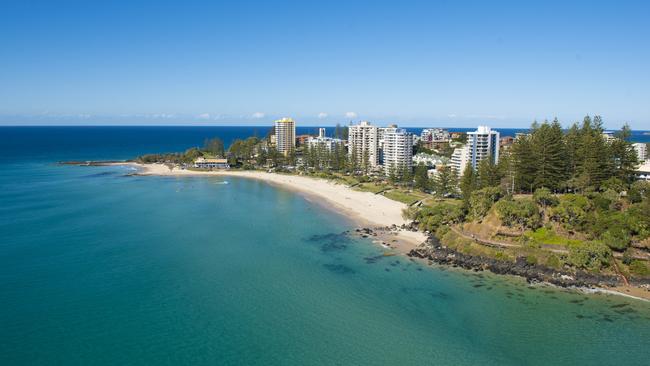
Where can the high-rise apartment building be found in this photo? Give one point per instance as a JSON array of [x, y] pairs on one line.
[[363, 143], [285, 135], [483, 144], [397, 150]]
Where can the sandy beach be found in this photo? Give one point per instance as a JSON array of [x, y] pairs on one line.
[[365, 208]]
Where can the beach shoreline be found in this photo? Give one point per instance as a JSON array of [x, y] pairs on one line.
[[365, 209]]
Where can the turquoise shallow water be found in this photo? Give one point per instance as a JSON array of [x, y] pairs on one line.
[[97, 268]]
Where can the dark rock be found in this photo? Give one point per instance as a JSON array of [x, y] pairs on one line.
[[531, 272]]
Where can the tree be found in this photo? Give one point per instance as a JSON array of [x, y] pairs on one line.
[[571, 141], [432, 218], [617, 239], [392, 173], [354, 160], [341, 132], [506, 171], [521, 213], [468, 182], [482, 200], [572, 211], [544, 197], [365, 161], [487, 174], [548, 151], [261, 156], [214, 146], [592, 155], [524, 164], [190, 155], [421, 177], [589, 255], [625, 160], [405, 174], [445, 181], [340, 157], [275, 156], [639, 191]]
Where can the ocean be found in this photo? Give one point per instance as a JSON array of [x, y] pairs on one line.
[[101, 268]]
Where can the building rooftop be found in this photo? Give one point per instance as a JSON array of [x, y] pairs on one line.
[[210, 160], [644, 168]]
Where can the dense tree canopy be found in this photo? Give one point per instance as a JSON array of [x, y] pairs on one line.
[[580, 159]]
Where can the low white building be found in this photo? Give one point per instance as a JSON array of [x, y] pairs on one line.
[[323, 142], [434, 135], [429, 160], [643, 171], [209, 163], [460, 158], [608, 136]]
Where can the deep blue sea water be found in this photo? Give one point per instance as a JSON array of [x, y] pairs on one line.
[[99, 268], [99, 142]]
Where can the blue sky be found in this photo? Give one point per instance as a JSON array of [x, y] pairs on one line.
[[415, 63]]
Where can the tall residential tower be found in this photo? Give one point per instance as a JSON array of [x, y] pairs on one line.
[[285, 135], [483, 143], [397, 150], [362, 143]]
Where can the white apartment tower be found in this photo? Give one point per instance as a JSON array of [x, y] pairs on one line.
[[362, 141], [285, 135], [397, 150], [483, 143]]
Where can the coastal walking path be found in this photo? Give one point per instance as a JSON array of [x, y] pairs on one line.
[[498, 244]]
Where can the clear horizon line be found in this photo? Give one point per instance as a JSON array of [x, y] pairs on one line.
[[269, 126]]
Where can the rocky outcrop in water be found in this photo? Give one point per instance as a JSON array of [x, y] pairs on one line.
[[520, 267]]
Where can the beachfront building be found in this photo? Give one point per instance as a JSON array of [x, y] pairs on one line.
[[209, 163], [363, 143], [323, 142], [608, 136], [429, 160], [380, 141], [301, 140], [641, 151], [483, 144], [456, 135], [285, 135], [459, 159], [397, 150], [381, 131], [431, 137], [506, 142]]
